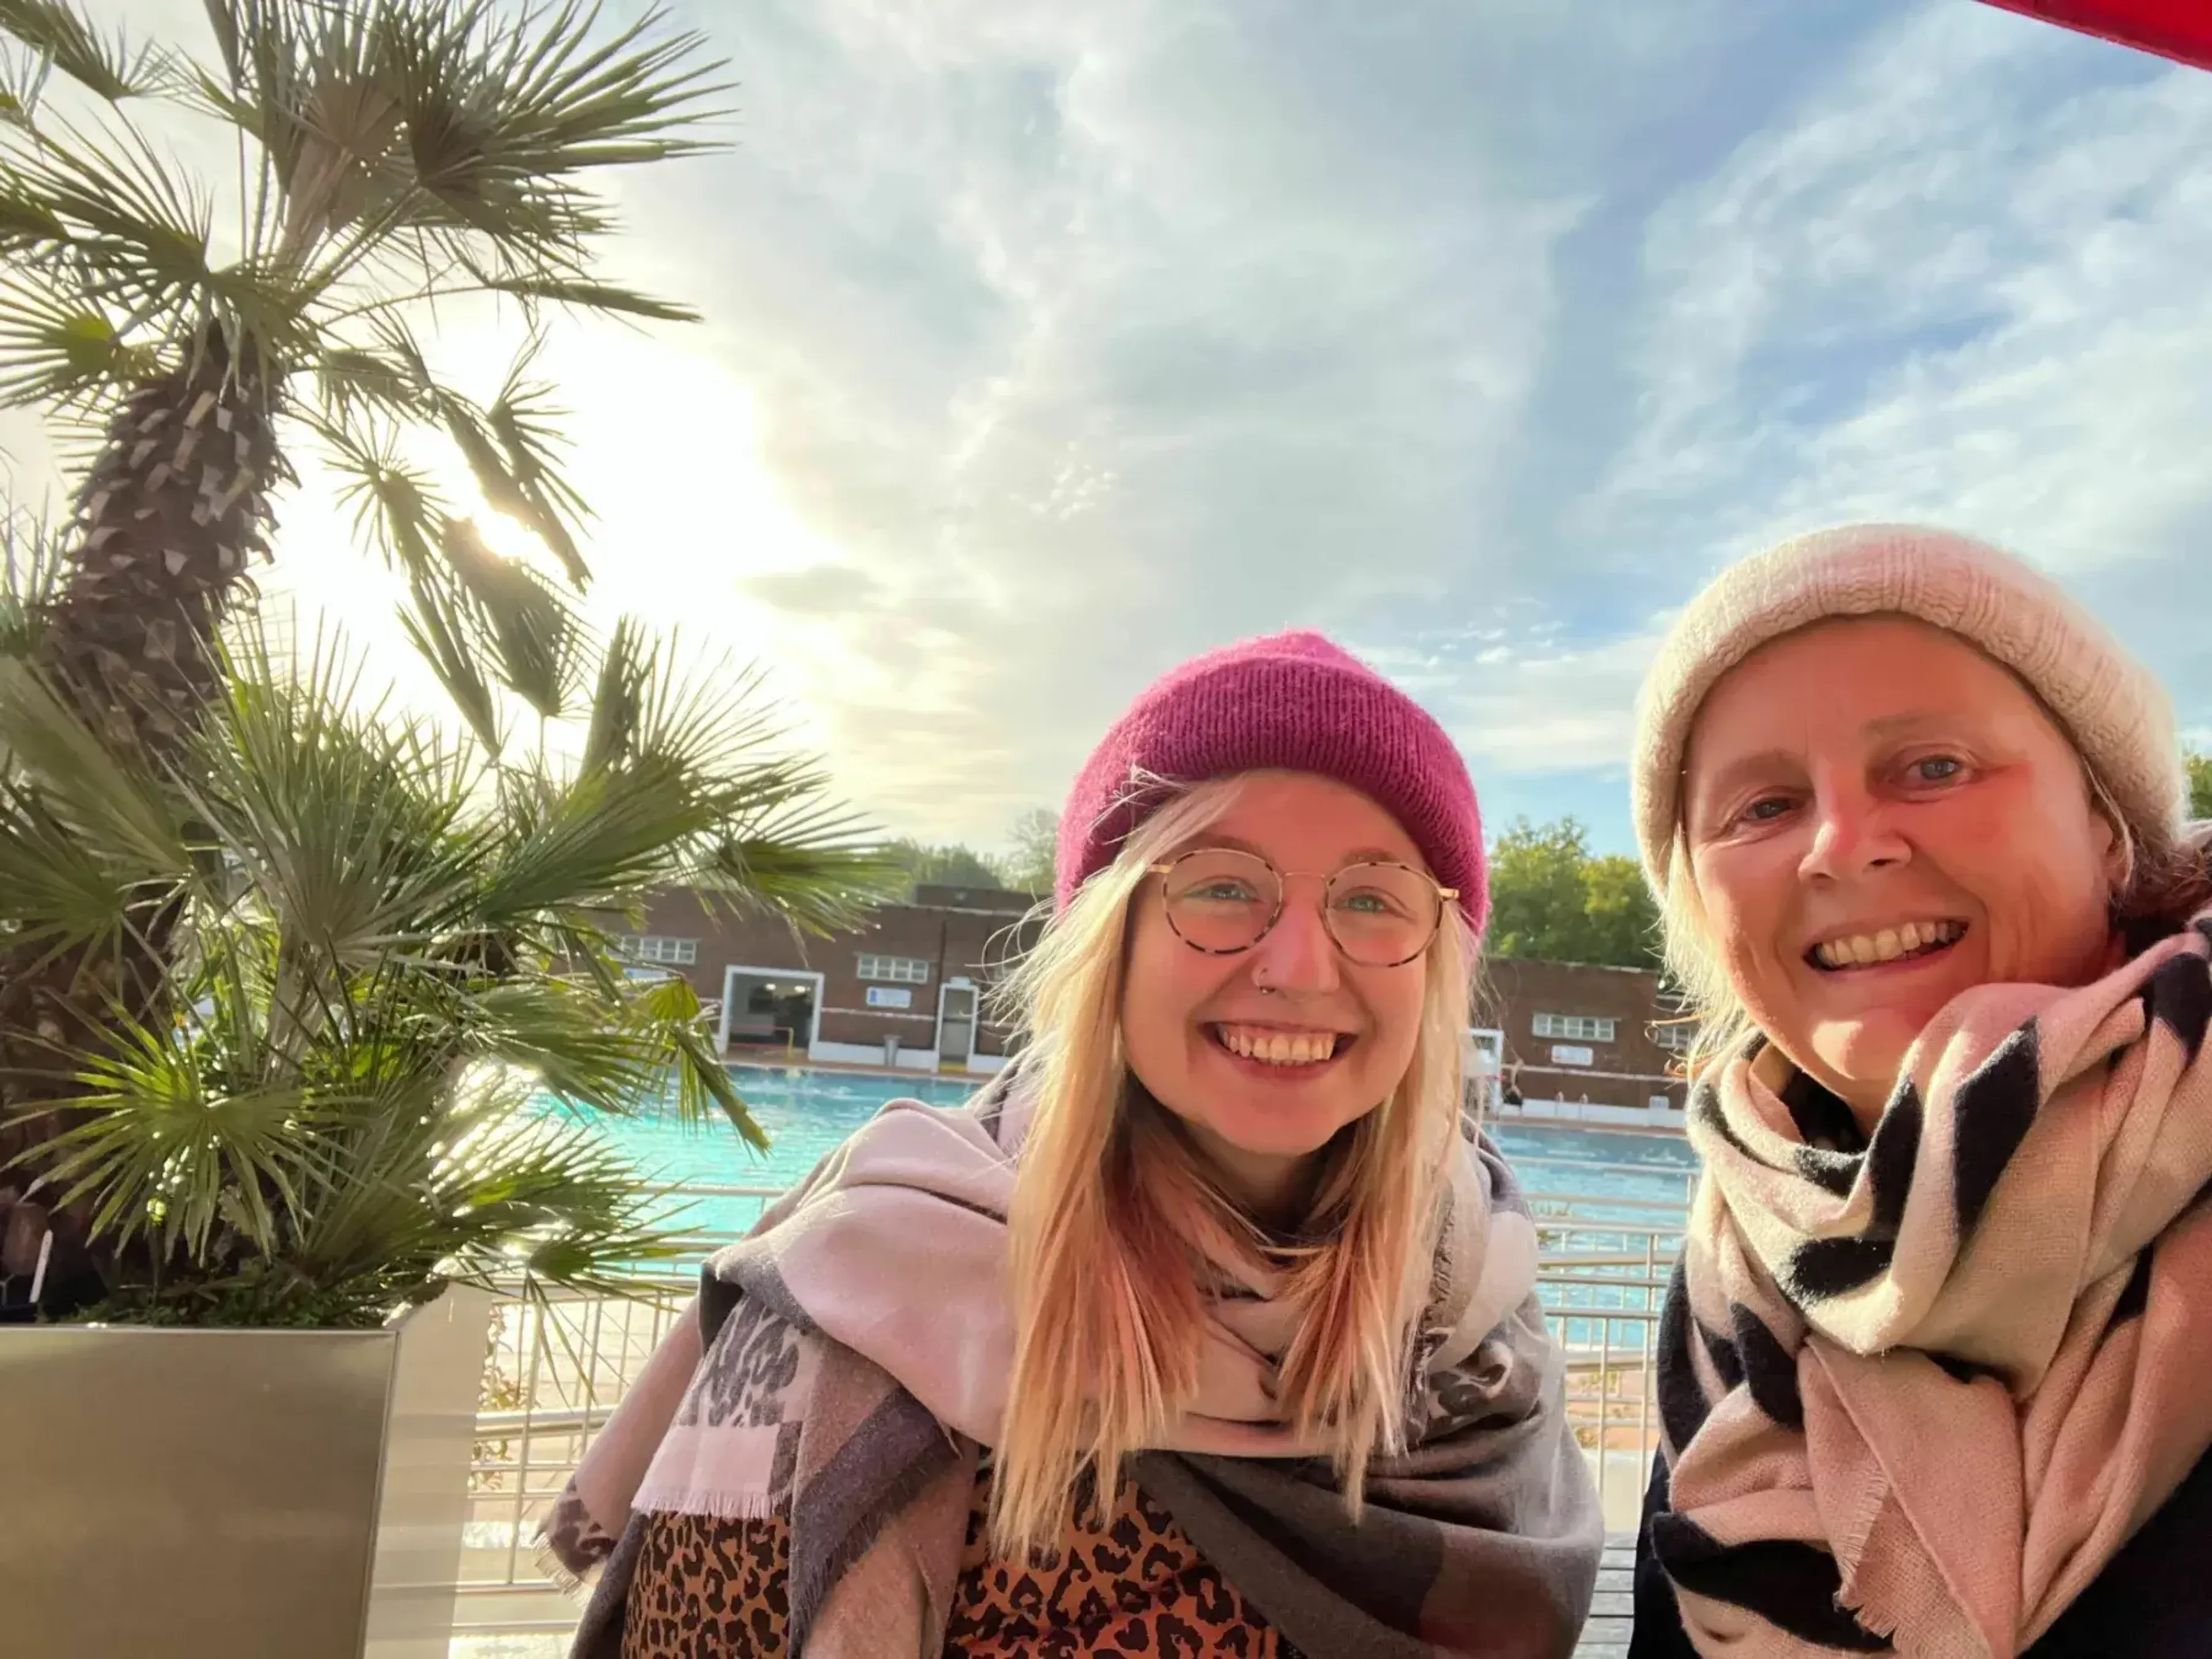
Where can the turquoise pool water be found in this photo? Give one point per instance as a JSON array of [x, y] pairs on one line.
[[1598, 1174]]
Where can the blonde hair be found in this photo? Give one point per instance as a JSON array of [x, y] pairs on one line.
[[1113, 1215]]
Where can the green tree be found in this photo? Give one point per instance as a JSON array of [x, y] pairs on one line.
[[1552, 899], [922, 863], [1028, 867], [2200, 785]]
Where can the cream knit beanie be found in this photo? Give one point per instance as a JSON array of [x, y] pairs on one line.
[[2115, 714]]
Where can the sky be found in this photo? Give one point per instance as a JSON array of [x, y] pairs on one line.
[[1046, 344]]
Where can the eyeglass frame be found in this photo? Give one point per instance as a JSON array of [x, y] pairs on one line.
[[1283, 877]]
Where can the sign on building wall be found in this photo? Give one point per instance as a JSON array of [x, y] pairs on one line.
[[889, 996], [1568, 1053]]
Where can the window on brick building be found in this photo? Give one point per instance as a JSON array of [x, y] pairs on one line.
[[1575, 1027], [1675, 1036], [657, 949], [894, 970]]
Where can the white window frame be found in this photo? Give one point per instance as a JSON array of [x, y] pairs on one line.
[[1675, 1036], [892, 970], [658, 949], [1575, 1027]]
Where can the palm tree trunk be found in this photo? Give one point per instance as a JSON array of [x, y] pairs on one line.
[[176, 505]]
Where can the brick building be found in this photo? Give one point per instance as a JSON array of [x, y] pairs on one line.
[[907, 990], [1599, 1041]]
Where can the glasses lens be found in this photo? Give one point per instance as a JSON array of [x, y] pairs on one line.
[[1382, 913], [1222, 900]]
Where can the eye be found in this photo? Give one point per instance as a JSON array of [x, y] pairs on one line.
[[1936, 769], [1222, 890], [1367, 901], [1764, 810]]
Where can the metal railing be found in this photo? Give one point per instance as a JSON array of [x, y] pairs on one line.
[[559, 1364]]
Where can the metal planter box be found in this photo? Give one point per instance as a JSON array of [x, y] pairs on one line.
[[246, 1494]]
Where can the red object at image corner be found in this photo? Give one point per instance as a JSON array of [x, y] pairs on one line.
[[2180, 29]]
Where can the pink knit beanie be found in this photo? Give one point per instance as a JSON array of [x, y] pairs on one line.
[[2115, 712], [1291, 703]]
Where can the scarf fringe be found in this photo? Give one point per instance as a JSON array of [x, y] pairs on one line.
[[556, 1572], [713, 1505]]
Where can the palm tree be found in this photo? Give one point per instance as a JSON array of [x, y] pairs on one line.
[[395, 950], [392, 155]]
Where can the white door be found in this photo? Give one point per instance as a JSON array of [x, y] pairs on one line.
[[956, 1023]]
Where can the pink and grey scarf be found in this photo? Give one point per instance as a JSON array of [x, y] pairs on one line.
[[1917, 1395], [843, 1365]]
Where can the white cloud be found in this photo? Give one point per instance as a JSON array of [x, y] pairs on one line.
[[1956, 285], [1529, 709]]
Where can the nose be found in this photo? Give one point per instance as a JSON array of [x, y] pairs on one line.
[[1298, 955], [1852, 834]]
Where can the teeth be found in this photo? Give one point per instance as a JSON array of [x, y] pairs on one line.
[[1888, 945], [1279, 1047]]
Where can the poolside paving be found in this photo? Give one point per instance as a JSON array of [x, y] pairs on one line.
[[1606, 1636]]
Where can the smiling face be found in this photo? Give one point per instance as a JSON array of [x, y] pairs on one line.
[[1266, 1054], [1879, 817]]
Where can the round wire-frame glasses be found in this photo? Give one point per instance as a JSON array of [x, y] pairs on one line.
[[1223, 901]]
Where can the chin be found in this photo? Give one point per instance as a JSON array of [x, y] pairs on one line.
[[1868, 1057], [1270, 1131]]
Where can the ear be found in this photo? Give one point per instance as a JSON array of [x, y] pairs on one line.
[[2116, 851]]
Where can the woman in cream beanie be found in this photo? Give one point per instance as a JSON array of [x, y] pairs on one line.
[[1931, 1373]]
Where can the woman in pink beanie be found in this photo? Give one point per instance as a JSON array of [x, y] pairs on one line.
[[1932, 1376], [1209, 1326]]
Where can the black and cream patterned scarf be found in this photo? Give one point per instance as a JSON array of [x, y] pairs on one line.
[[1916, 1391]]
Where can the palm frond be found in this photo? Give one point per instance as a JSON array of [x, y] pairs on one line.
[[61, 35], [503, 112], [55, 349], [450, 129], [597, 841], [561, 1036], [778, 846], [671, 1010], [509, 448], [161, 1152], [397, 507], [822, 878], [466, 606], [532, 632], [528, 430], [626, 675], [582, 294], [32, 569], [436, 624], [346, 826], [111, 208], [359, 381], [112, 808], [55, 890]]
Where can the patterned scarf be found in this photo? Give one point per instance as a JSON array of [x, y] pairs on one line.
[[1916, 1392], [842, 1366]]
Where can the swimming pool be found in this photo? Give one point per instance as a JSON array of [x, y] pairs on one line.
[[1590, 1174]]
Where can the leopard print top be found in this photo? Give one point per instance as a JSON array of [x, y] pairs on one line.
[[715, 1589]]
